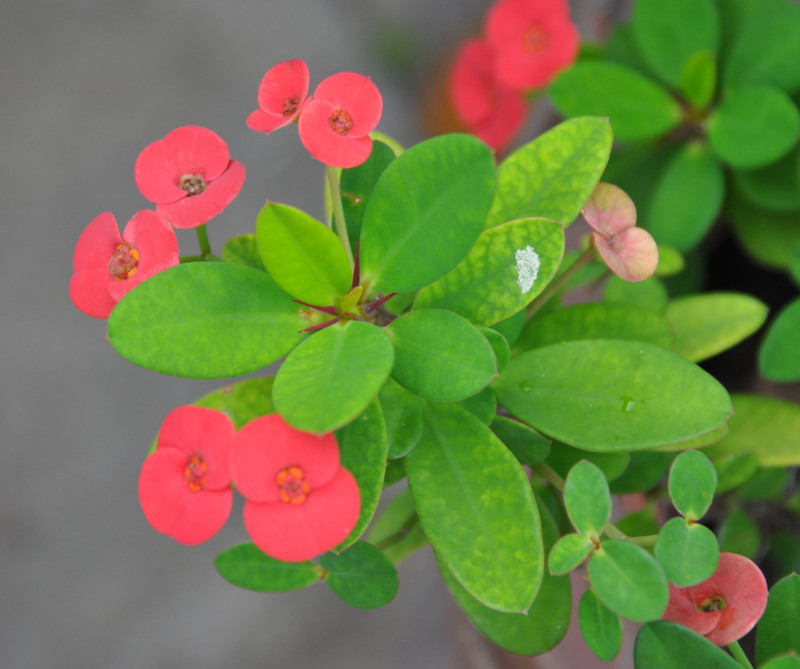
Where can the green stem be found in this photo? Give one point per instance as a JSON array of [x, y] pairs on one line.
[[202, 238], [738, 654], [560, 281], [400, 534], [338, 211]]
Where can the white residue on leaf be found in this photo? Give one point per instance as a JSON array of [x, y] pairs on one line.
[[527, 263]]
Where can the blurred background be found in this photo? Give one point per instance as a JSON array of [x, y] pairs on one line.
[[86, 85]]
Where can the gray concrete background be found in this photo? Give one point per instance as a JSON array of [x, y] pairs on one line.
[[84, 86]]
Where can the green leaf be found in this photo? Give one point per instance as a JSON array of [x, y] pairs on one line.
[[687, 197], [356, 186], [739, 534], [689, 552], [644, 472], [509, 265], [692, 482], [440, 355], [303, 255], [638, 108], [600, 627], [776, 186], [243, 401], [766, 426], [612, 395], [733, 470], [482, 405], [363, 448], [248, 567], [205, 320], [562, 458], [397, 530], [668, 40], [568, 553], [767, 483], [527, 445], [779, 355], [554, 175], [489, 538], [532, 633], [425, 212], [499, 344], [769, 237], [788, 662], [587, 499], [629, 581], [779, 627], [403, 414], [331, 378], [668, 645], [595, 320], [754, 126], [243, 250], [512, 326], [362, 576], [650, 294], [710, 323], [670, 262], [698, 79]]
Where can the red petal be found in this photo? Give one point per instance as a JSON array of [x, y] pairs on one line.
[[285, 80], [97, 243], [682, 609], [326, 145], [357, 95], [298, 533], [471, 83], [506, 20], [198, 209], [503, 125], [268, 444], [193, 429], [89, 291], [262, 122]]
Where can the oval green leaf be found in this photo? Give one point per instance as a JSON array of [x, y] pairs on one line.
[[692, 482], [739, 533], [243, 250], [331, 378], [688, 552], [489, 539], [568, 553], [248, 567], [509, 265], [779, 355], [612, 395], [779, 627], [769, 237], [638, 108], [587, 499], [362, 576], [668, 645], [303, 256], [601, 628], [402, 412], [425, 212], [698, 79], [243, 401], [562, 458], [440, 356], [205, 320], [527, 445], [552, 176], [629, 581], [776, 186]]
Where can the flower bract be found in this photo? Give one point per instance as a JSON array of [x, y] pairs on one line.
[[185, 484], [491, 111], [281, 96], [189, 175], [532, 41], [335, 123], [300, 501], [629, 252], [724, 607], [108, 264]]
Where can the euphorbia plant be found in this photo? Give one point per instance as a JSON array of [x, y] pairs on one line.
[[425, 341]]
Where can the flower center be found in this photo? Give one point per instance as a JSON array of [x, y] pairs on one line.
[[192, 184], [340, 122], [534, 40], [292, 485], [124, 263], [194, 474], [712, 604], [289, 106]]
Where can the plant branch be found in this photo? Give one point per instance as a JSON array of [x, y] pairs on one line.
[[205, 244], [738, 654], [559, 282], [338, 211]]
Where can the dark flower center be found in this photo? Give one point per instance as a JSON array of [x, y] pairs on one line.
[[340, 122], [124, 263], [292, 485], [534, 40], [289, 106], [194, 474], [712, 604], [192, 184]]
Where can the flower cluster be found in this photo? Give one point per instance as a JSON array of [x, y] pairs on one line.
[[334, 122], [525, 43], [300, 501]]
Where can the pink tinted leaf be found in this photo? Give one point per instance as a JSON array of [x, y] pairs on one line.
[[632, 254], [609, 209]]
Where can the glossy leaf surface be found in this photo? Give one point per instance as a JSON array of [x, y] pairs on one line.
[[779, 356], [668, 645], [587, 499], [692, 482], [600, 627], [689, 553], [779, 628], [248, 567], [362, 576]]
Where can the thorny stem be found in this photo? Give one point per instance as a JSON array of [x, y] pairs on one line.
[[738, 654], [338, 211], [556, 285]]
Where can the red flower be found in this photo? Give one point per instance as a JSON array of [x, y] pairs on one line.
[[281, 96], [189, 175], [300, 501], [491, 111], [726, 606], [532, 39], [107, 265], [629, 252], [337, 119], [185, 484]]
